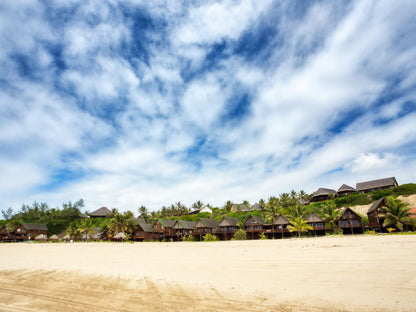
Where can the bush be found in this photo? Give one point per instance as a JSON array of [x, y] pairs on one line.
[[210, 238], [405, 189], [370, 232], [263, 236], [240, 235], [352, 200]]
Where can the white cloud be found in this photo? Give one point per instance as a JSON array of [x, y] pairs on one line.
[[321, 64]]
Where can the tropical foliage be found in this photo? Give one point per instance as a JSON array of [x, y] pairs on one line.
[[395, 213], [299, 225]]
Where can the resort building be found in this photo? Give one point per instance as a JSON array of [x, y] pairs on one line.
[[374, 221], [204, 226], [350, 222], [316, 222], [227, 227], [345, 190], [376, 185], [254, 226], [280, 226], [100, 213], [323, 194]]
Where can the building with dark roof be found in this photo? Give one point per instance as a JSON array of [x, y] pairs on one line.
[[255, 225], [204, 226], [350, 222], [376, 185], [323, 194], [374, 221], [100, 213], [345, 190]]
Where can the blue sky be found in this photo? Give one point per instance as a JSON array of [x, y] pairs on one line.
[[129, 103]]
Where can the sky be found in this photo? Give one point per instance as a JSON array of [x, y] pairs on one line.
[[130, 103]]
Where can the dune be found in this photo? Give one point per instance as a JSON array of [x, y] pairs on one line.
[[338, 273]]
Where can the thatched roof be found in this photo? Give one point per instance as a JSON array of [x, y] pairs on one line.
[[348, 209], [205, 222], [281, 220], [66, 237], [313, 217], [166, 223], [140, 222], [35, 227], [323, 191], [375, 184], [228, 221], [101, 212], [41, 237], [346, 188], [54, 238], [378, 203], [186, 225], [120, 236], [257, 220]]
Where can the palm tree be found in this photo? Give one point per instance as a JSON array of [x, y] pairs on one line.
[[122, 223], [73, 230], [395, 213], [228, 205], [198, 205], [87, 226], [142, 210], [329, 213], [272, 210], [299, 225]]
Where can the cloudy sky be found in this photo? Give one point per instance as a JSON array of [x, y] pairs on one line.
[[128, 103]]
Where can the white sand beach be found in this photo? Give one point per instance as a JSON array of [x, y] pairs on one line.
[[343, 273]]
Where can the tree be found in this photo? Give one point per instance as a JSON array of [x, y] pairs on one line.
[[240, 235], [142, 210], [122, 223], [272, 209], [329, 213], [198, 205], [87, 227], [299, 225], [395, 213], [73, 230], [228, 205], [7, 214]]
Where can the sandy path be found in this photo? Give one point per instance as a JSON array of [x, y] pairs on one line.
[[361, 273]]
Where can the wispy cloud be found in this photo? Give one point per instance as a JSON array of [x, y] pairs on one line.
[[150, 103]]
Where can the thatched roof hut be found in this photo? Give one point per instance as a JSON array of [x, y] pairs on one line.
[[375, 185], [41, 238], [67, 237], [121, 236], [54, 238]]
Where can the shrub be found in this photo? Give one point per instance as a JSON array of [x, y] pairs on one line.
[[240, 235], [210, 238], [405, 189], [263, 236], [370, 232]]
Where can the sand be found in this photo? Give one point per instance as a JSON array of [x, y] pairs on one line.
[[343, 273]]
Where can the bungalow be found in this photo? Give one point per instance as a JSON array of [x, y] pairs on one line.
[[316, 222], [100, 213], [323, 194], [373, 213], [345, 190], [280, 225], [255, 225], [350, 222], [28, 231], [376, 185], [227, 227], [4, 234], [239, 207], [183, 228], [142, 231], [163, 229], [204, 226]]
